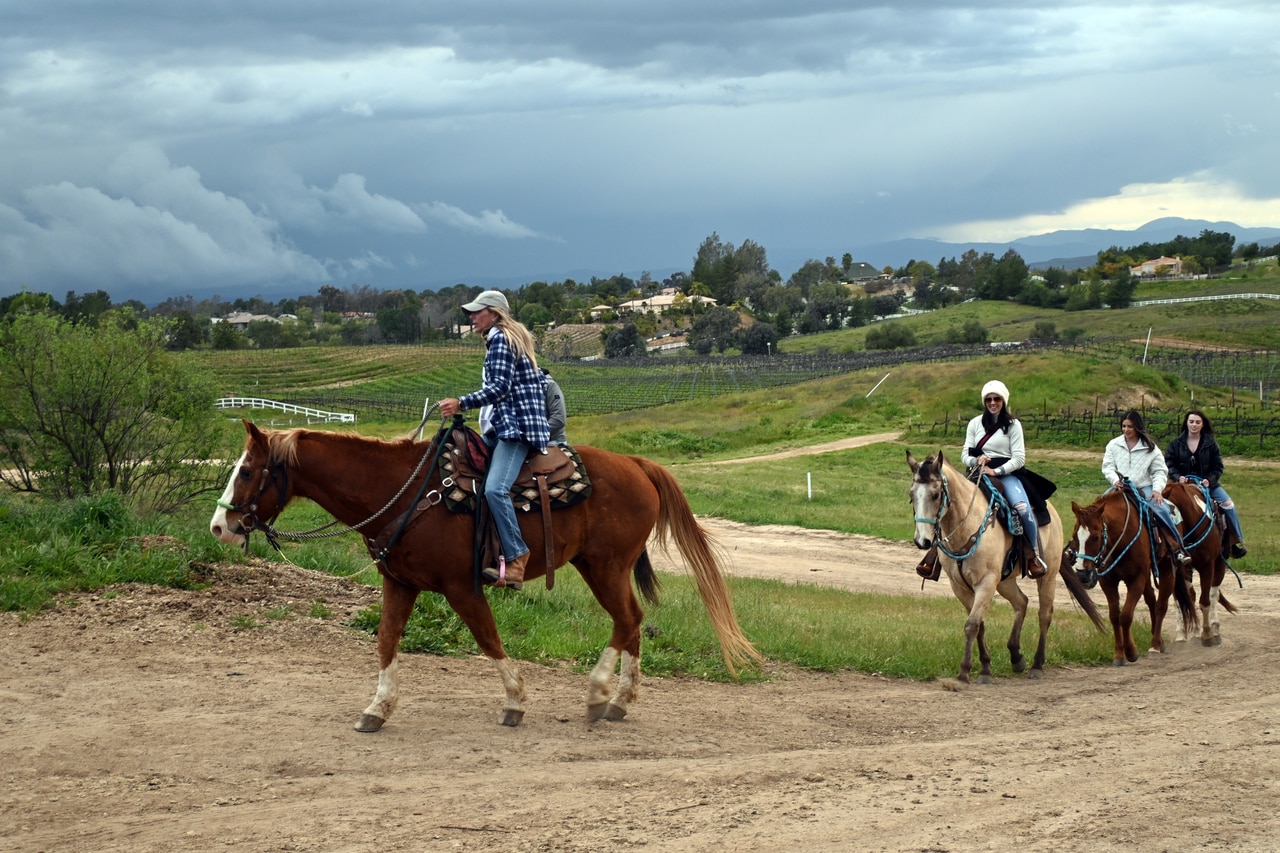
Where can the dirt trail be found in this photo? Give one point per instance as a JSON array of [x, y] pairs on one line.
[[143, 719]]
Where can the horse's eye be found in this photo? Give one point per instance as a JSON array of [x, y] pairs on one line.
[[245, 473]]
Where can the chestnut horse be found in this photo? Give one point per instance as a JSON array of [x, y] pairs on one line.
[[973, 548], [355, 479], [1207, 545], [1114, 535]]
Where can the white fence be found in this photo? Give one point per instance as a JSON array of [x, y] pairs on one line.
[[312, 415], [1217, 298]]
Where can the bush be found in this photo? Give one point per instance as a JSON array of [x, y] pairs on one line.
[[890, 336]]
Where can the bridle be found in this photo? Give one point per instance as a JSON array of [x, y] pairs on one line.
[[1108, 555], [944, 504], [248, 508], [249, 520]]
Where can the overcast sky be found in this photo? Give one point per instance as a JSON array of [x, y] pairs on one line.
[[164, 148]]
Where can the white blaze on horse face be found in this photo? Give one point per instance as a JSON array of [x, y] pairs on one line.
[[920, 506], [218, 525], [1082, 539]]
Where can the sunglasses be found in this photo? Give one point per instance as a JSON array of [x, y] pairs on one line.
[[992, 399]]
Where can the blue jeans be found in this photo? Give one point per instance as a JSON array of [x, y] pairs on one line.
[[504, 467], [1162, 514], [1016, 494]]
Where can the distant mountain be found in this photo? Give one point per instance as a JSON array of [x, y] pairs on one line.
[[1069, 249]]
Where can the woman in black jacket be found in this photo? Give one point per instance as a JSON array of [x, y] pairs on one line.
[[1196, 453]]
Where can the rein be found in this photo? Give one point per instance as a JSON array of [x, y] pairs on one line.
[[1107, 558], [251, 522], [1207, 518]]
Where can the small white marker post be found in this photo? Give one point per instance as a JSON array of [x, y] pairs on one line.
[[878, 384], [809, 477]]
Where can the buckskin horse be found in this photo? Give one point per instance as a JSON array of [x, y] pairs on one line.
[[1206, 543], [1114, 534], [973, 548], [355, 479]]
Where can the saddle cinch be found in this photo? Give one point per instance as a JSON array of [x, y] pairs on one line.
[[550, 479]]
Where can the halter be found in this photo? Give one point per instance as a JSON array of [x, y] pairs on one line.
[[1107, 558], [250, 521], [975, 538]]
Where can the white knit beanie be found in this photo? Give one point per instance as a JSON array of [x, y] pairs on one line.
[[995, 386]]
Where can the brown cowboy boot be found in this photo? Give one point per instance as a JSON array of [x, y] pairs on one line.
[[508, 574], [930, 568]]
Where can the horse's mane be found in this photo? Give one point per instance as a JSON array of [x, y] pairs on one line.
[[283, 443]]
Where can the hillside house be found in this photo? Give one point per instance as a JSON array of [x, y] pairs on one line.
[[1157, 266], [661, 303]]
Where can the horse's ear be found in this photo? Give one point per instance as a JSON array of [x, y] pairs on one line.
[[942, 460], [255, 434], [912, 463]]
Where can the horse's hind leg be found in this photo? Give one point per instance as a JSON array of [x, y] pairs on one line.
[[397, 605], [613, 590], [1210, 630], [1010, 590]]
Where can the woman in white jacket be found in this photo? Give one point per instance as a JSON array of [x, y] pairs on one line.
[[1133, 456], [994, 445]]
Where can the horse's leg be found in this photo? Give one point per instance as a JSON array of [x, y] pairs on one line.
[[397, 605], [613, 590], [1111, 589], [1010, 590], [1158, 605], [976, 601], [473, 609], [1210, 631], [1046, 587], [1133, 595]]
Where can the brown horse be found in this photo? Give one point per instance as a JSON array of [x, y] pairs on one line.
[[355, 479], [1114, 535], [974, 549], [1207, 545]]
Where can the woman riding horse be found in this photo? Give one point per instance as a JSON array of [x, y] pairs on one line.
[[1134, 456]]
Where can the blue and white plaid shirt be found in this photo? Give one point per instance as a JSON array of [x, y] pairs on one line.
[[516, 390]]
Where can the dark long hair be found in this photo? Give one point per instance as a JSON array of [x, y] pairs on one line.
[[1207, 429], [1134, 417]]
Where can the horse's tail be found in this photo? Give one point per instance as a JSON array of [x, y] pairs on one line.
[[1226, 605], [1079, 594], [646, 578], [676, 521]]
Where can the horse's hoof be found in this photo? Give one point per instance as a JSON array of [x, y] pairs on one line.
[[1019, 665], [1213, 641], [613, 713], [369, 723], [985, 679], [1117, 661], [512, 718], [1035, 674], [596, 711]]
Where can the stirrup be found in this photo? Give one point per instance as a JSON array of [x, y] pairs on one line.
[[930, 568], [1037, 568]]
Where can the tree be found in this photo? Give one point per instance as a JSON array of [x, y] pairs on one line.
[[758, 339], [86, 410], [714, 330], [1119, 291], [890, 336], [625, 342]]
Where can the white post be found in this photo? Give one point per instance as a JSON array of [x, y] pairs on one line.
[[1147, 346], [809, 477], [878, 384]]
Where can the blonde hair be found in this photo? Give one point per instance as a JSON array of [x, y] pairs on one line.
[[518, 337]]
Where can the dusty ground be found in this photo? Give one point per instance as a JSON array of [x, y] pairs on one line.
[[142, 719]]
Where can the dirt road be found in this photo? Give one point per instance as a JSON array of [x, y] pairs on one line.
[[143, 719]]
